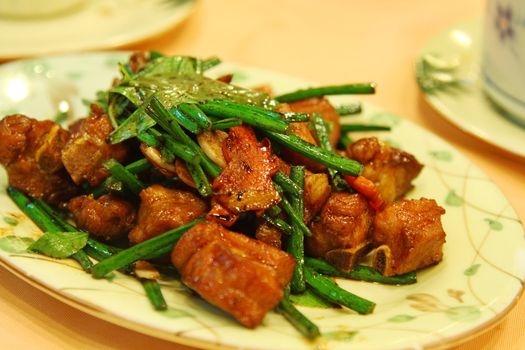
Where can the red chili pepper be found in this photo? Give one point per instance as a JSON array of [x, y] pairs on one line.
[[367, 188]]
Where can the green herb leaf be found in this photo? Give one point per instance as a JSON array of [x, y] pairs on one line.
[[60, 244]]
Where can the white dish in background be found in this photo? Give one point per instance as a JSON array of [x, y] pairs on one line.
[[96, 24], [477, 283], [450, 80]]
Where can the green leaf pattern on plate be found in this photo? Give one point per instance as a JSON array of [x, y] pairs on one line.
[[494, 224], [442, 155], [340, 336], [463, 313], [401, 318], [472, 270], [10, 220], [15, 244], [453, 199], [175, 313], [384, 118]]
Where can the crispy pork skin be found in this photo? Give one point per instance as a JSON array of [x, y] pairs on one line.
[[107, 217], [409, 236], [30, 150], [342, 235], [240, 275], [391, 169], [162, 209], [246, 182], [88, 149]]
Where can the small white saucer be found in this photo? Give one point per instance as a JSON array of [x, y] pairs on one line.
[[98, 24], [448, 71]]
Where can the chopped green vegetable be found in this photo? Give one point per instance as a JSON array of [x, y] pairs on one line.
[[196, 114], [45, 222], [141, 250], [249, 115], [297, 319], [321, 133], [152, 289], [225, 123], [363, 127], [329, 290], [349, 109], [330, 159], [119, 172], [347, 89], [296, 242], [360, 273], [59, 244]]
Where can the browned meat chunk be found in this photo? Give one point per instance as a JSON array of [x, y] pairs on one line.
[[137, 60], [342, 235], [162, 209], [246, 182], [409, 235], [240, 275], [106, 218], [30, 151], [328, 112], [302, 129], [269, 234], [391, 169], [87, 149], [316, 192]]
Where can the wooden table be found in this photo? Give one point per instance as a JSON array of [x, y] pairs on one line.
[[325, 41]]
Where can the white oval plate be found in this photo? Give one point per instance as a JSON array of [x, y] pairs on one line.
[[467, 106], [97, 24], [477, 283]]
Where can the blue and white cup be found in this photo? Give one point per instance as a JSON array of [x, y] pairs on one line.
[[503, 55]]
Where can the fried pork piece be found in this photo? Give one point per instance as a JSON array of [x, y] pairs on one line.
[[391, 169], [409, 236], [302, 129], [238, 274], [30, 150], [162, 209], [137, 60], [245, 184], [328, 112], [269, 234], [106, 217], [342, 235], [317, 190], [87, 149]]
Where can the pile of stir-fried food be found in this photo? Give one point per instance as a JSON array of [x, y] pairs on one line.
[[256, 199]]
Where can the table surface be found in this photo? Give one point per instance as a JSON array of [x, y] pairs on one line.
[[327, 41]]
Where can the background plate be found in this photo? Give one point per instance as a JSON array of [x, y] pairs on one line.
[[465, 104], [99, 24]]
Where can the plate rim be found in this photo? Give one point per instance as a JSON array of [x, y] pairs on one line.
[[85, 306]]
